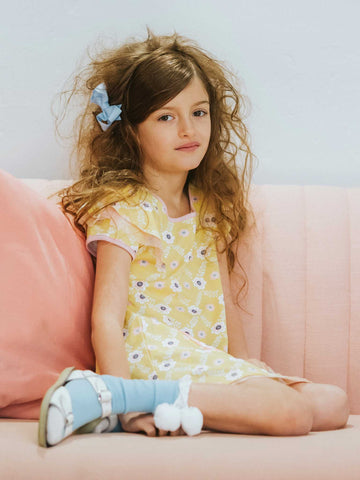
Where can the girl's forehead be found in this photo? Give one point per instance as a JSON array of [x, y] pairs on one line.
[[194, 93]]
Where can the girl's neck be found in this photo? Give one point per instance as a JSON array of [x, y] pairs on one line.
[[173, 193]]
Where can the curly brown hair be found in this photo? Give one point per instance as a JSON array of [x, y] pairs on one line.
[[143, 76]]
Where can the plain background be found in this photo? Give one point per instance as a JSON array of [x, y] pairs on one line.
[[298, 62]]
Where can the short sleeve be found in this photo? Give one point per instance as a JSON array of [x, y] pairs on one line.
[[127, 226]]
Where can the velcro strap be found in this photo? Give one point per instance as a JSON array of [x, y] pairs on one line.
[[104, 395]]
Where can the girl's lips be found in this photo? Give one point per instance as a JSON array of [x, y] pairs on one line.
[[188, 149], [189, 145]]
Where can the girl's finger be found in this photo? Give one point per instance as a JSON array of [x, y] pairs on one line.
[[150, 431]]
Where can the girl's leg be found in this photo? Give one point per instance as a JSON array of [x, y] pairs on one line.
[[330, 405], [257, 405], [79, 397]]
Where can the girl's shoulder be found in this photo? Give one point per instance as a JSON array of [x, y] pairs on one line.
[[126, 197]]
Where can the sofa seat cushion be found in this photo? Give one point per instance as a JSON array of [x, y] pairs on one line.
[[319, 455]]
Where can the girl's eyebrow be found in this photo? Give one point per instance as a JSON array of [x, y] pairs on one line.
[[195, 104]]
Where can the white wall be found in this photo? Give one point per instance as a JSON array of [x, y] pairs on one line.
[[299, 62]]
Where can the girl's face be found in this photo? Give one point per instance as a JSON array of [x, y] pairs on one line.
[[184, 120]]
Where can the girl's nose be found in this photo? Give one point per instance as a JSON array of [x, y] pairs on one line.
[[185, 127]]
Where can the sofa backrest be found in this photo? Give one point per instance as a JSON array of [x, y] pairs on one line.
[[303, 268], [302, 262]]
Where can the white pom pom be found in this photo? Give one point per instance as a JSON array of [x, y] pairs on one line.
[[167, 417], [191, 421]]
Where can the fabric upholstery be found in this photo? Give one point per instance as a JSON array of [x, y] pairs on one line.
[[46, 282]]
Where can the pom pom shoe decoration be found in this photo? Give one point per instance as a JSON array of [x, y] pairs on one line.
[[171, 417]]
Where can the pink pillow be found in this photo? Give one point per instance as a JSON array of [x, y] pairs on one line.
[[46, 288]]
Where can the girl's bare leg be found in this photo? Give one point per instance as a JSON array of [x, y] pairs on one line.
[[330, 406], [257, 405], [265, 406]]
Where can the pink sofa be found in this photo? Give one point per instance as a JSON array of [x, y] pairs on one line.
[[303, 304]]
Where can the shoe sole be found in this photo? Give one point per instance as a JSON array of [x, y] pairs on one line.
[[64, 375]]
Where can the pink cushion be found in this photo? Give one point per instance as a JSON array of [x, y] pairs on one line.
[[303, 267], [46, 285]]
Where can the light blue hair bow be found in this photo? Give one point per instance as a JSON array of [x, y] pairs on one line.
[[110, 113]]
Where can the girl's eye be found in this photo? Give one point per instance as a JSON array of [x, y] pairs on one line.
[[197, 113], [201, 112], [164, 117]]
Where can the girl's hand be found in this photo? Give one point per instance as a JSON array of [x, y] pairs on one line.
[[138, 422], [260, 364]]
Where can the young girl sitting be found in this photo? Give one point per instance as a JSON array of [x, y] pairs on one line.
[[163, 205]]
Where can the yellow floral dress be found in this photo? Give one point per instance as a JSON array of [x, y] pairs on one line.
[[175, 321]]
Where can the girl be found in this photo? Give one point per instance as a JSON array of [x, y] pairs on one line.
[[163, 204]]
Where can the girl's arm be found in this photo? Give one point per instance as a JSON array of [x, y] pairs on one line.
[[109, 307], [236, 338], [108, 315]]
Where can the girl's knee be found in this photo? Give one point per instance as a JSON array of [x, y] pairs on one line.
[[338, 405], [295, 417], [330, 405], [287, 412]]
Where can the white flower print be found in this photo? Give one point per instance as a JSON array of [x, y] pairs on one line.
[[125, 332], [188, 257], [201, 334], [210, 220], [175, 286], [168, 237], [219, 327], [210, 307], [201, 252], [135, 248], [184, 232], [140, 298], [151, 347], [199, 283], [147, 206], [199, 369], [219, 361], [194, 310], [234, 374], [185, 354], [163, 309], [221, 299], [214, 275], [188, 331], [166, 365], [180, 309], [161, 267], [143, 263], [186, 284], [174, 264], [159, 285], [153, 376], [167, 320], [137, 330], [170, 342], [135, 356], [140, 285]]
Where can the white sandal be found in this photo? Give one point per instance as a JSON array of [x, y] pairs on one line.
[[56, 416], [171, 417]]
